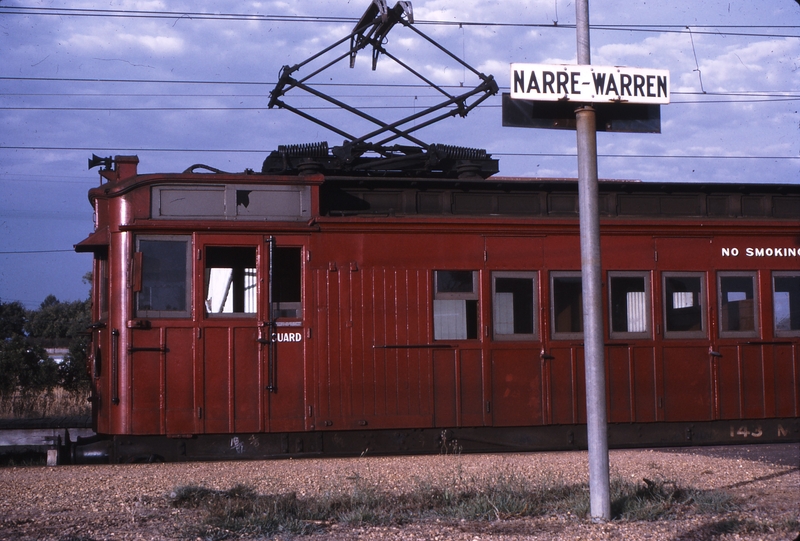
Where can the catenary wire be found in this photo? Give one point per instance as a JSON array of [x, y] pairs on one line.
[[140, 14]]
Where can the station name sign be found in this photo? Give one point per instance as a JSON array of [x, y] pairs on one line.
[[589, 83]]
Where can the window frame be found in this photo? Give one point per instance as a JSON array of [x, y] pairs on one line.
[[101, 292], [755, 332], [465, 296], [647, 334], [138, 278], [702, 297], [554, 333], [516, 337], [255, 299], [791, 333], [277, 307]]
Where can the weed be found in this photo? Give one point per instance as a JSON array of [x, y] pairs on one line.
[[655, 500]]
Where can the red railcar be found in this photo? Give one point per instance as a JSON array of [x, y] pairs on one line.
[[246, 315]]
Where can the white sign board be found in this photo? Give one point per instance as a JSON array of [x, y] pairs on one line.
[[589, 84]]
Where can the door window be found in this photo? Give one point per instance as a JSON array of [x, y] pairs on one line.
[[786, 303], [737, 299], [566, 305], [684, 305], [514, 305], [286, 282], [230, 280], [629, 306]]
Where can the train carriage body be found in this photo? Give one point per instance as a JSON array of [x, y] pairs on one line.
[[262, 315]]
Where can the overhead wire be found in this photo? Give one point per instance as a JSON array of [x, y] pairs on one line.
[[181, 15], [753, 97]]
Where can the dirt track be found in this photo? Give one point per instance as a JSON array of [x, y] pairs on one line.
[[72, 503]]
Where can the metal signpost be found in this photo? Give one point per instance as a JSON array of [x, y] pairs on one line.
[[594, 355], [627, 96]]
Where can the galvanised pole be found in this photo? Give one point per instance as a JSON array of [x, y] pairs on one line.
[[592, 290]]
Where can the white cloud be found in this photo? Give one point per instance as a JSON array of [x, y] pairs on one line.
[[126, 42]]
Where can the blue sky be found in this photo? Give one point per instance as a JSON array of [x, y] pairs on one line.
[[179, 83]]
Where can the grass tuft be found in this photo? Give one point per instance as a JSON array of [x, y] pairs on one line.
[[655, 500]]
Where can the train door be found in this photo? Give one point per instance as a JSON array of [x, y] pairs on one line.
[[630, 351], [515, 351], [100, 354], [286, 344], [687, 362], [250, 334], [158, 343], [562, 335], [738, 370]]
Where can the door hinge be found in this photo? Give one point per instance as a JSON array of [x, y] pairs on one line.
[[199, 413]]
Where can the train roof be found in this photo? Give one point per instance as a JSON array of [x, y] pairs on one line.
[[473, 195]]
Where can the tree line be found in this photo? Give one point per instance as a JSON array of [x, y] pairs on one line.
[[26, 370]]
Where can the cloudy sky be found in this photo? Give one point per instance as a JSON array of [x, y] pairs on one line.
[[179, 83]]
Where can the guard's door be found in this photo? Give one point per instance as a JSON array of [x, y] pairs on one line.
[[283, 334]]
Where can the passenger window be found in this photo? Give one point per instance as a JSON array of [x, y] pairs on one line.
[[737, 299], [566, 298], [230, 280], [455, 305], [286, 282], [629, 295], [514, 305], [162, 277], [786, 303], [684, 305]]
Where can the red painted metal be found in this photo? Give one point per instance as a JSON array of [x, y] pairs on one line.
[[360, 353]]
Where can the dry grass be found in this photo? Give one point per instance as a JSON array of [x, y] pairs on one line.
[[56, 402]]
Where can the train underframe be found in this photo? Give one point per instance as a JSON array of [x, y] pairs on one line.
[[259, 446]]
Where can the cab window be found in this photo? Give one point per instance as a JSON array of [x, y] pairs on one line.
[[162, 276]]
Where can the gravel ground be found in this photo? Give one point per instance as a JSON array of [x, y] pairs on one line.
[[83, 503]]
